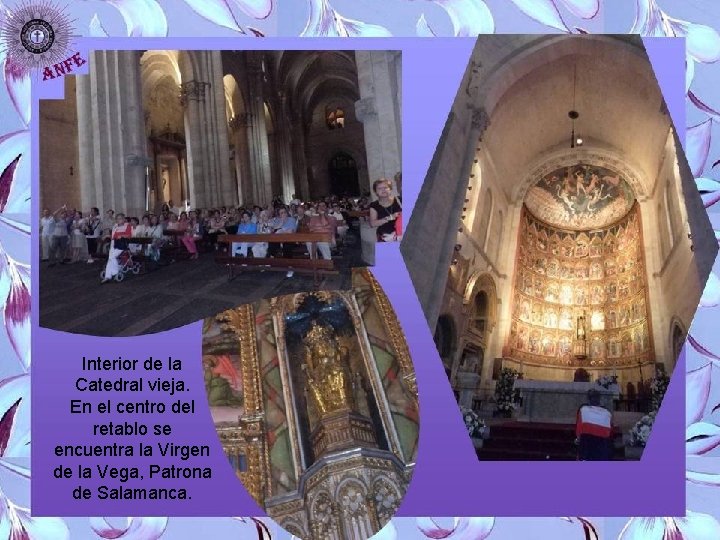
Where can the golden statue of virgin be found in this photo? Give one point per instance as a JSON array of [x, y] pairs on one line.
[[326, 368]]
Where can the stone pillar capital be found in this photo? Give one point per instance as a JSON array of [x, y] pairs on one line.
[[193, 91], [239, 121], [365, 108]]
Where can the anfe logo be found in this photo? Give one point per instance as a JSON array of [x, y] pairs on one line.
[[37, 35]]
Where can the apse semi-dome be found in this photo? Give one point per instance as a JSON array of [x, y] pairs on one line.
[[580, 197]]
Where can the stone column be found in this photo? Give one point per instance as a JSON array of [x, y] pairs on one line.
[[257, 134], [282, 134], [209, 180], [239, 125], [428, 245], [228, 188], [379, 111], [113, 154], [302, 186], [193, 93]]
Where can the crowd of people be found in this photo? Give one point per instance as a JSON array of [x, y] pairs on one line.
[[69, 236]]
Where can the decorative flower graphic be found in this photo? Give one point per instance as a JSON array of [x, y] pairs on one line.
[[146, 18], [692, 527]]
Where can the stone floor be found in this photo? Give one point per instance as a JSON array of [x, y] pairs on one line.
[[72, 299]]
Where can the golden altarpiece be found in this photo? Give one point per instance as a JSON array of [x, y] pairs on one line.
[[314, 399]]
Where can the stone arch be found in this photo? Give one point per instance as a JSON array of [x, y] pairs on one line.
[[507, 70], [446, 340], [677, 336], [387, 498]]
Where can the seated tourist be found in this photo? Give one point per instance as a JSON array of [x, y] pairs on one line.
[[283, 224], [156, 233], [119, 236], [192, 235], [594, 430], [246, 227], [256, 213], [216, 227], [342, 226], [134, 224], [320, 224], [260, 249], [302, 219]]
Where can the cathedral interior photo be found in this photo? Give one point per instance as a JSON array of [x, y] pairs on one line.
[[577, 249], [164, 174], [315, 403]]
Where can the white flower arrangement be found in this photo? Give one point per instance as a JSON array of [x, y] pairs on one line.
[[473, 423], [606, 381], [504, 390], [640, 432], [658, 387]]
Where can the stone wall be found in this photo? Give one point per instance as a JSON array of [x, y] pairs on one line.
[[59, 151]]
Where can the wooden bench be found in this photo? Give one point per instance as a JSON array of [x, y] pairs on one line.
[[314, 265], [175, 249]]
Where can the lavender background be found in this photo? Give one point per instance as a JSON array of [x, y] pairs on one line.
[[467, 487]]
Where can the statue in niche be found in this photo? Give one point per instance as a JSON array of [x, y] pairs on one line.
[[612, 292], [612, 320], [548, 345], [554, 246], [551, 319], [564, 346], [528, 284], [566, 294], [539, 288], [597, 348], [580, 297], [565, 320], [540, 266], [535, 342], [581, 250], [537, 314], [552, 269], [525, 311], [522, 337], [596, 271], [326, 367]]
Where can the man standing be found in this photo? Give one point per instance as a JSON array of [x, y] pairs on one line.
[[594, 430], [59, 240]]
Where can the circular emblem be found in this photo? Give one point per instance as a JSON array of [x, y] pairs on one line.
[[37, 36]]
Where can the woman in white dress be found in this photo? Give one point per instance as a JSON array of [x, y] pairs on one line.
[[78, 242]]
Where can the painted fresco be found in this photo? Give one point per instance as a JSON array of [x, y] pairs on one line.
[[222, 373], [580, 197]]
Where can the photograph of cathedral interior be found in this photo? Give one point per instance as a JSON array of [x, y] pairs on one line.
[[314, 400], [562, 287], [177, 184]]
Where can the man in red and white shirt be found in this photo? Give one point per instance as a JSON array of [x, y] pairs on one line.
[[121, 230], [594, 430]]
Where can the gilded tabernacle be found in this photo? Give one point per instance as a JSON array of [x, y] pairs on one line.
[[314, 400]]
